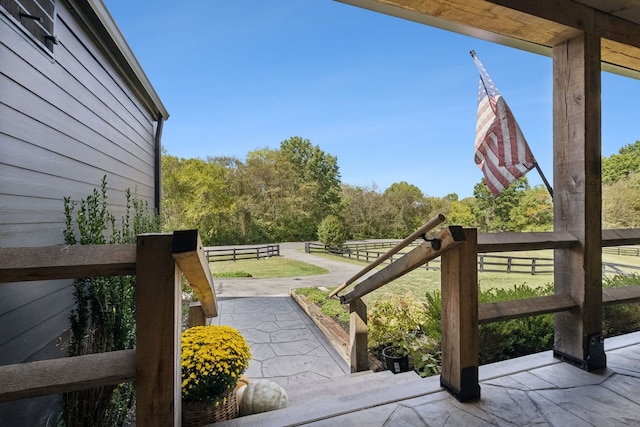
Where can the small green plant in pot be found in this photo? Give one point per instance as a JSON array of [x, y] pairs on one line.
[[395, 329]]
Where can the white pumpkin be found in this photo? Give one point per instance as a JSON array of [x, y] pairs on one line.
[[261, 396]]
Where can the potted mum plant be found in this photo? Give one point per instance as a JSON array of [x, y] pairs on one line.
[[213, 358]]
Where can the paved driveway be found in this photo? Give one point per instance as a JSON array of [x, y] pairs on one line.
[[339, 272]]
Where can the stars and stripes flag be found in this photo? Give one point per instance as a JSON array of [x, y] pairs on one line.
[[501, 151]]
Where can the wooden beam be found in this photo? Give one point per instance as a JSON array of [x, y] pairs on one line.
[[578, 199], [158, 330], [532, 25], [66, 374], [449, 237], [189, 254], [514, 309], [620, 237], [358, 347], [460, 342], [196, 315], [579, 16], [507, 310], [66, 262], [508, 242], [622, 295], [420, 232]]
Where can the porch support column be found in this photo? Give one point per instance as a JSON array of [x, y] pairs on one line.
[[460, 344], [578, 199]]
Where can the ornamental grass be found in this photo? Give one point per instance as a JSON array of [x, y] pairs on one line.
[[213, 358]]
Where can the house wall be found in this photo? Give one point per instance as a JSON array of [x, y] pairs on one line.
[[66, 120]]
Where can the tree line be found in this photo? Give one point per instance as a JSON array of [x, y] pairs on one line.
[[294, 193]]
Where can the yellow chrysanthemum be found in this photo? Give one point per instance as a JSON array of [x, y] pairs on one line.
[[213, 357]]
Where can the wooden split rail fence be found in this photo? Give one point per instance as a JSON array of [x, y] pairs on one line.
[[366, 252], [235, 253], [156, 260]]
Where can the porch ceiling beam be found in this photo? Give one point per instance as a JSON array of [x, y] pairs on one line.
[[532, 25]]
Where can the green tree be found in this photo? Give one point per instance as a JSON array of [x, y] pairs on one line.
[[493, 213], [365, 212], [534, 211], [461, 213], [407, 209], [316, 167], [274, 204], [621, 203], [618, 166], [199, 194], [331, 232]]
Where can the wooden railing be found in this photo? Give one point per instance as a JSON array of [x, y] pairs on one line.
[[461, 312], [156, 260], [241, 252], [369, 252]]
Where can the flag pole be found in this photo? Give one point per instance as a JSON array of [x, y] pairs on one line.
[[544, 179]]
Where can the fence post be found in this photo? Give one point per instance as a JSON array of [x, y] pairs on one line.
[[158, 325], [460, 348], [196, 315], [533, 266], [481, 262], [358, 335]]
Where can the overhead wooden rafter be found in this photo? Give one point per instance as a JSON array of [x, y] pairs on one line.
[[532, 25]]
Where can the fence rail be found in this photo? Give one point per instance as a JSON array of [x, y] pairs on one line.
[[623, 250], [486, 263], [241, 252]]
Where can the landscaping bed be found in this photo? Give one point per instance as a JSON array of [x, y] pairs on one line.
[[335, 329]]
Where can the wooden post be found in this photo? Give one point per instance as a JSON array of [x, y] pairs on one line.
[[578, 200], [460, 346], [158, 322], [196, 315], [358, 335]]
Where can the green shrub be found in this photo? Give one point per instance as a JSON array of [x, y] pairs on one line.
[[333, 308], [620, 319], [331, 232], [328, 306], [398, 321], [104, 315], [501, 340], [231, 274]]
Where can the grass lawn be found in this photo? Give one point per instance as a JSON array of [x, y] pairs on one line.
[[264, 268]]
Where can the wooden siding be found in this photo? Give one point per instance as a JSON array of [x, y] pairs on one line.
[[66, 120]]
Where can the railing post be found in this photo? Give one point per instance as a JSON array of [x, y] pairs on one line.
[[196, 315], [460, 348], [158, 325], [358, 335]]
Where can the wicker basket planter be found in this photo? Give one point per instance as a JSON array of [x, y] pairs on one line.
[[199, 413]]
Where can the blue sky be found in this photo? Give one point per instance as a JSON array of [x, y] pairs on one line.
[[393, 100]]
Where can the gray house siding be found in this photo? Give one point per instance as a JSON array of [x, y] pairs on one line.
[[66, 120]]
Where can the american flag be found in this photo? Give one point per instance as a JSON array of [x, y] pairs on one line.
[[502, 153]]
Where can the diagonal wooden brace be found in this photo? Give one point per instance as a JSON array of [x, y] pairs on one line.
[[449, 237]]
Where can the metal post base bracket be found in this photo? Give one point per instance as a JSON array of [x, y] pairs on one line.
[[469, 387], [596, 358]]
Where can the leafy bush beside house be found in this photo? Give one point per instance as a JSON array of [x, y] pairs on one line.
[[103, 319]]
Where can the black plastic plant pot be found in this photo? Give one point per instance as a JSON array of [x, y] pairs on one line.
[[395, 363]]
